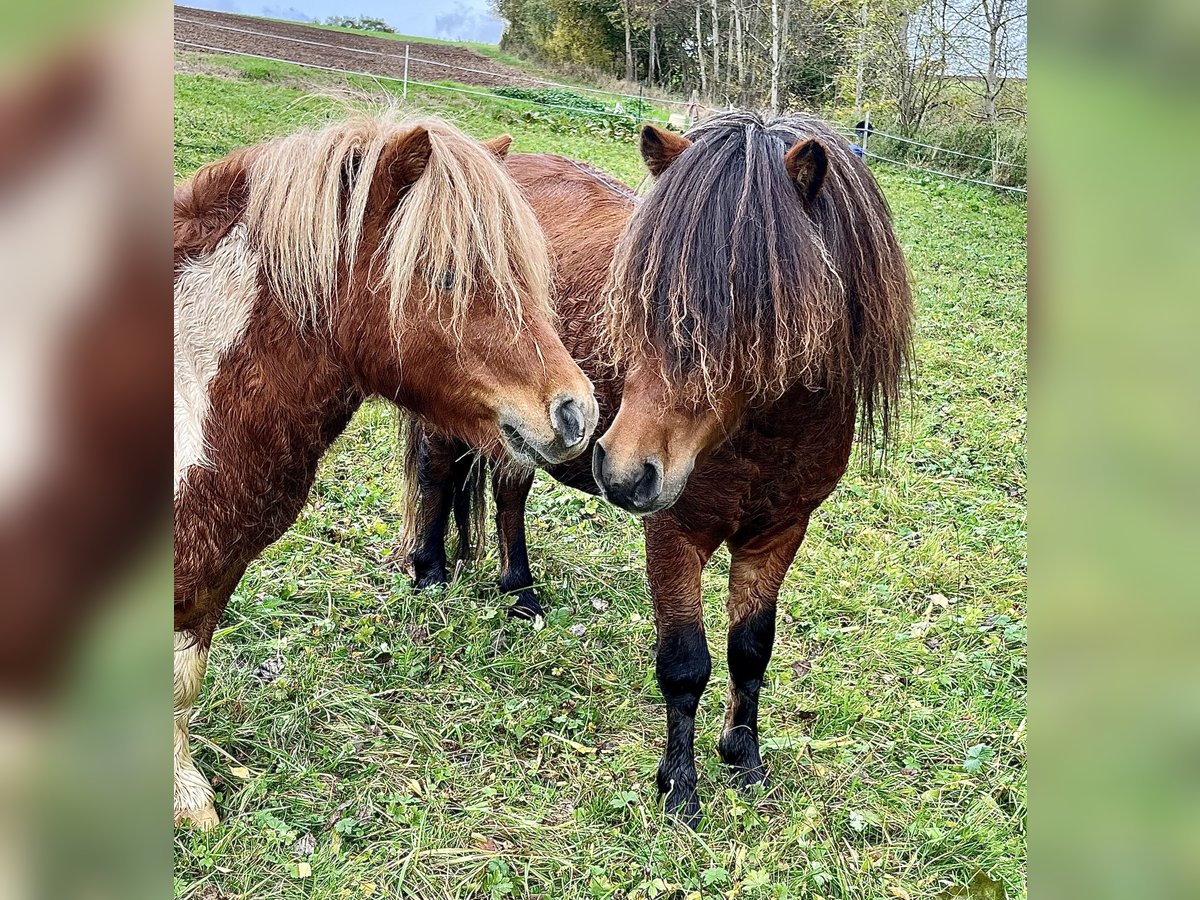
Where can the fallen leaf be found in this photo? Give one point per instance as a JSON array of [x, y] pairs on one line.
[[574, 745], [303, 870], [981, 888], [239, 771], [306, 845]]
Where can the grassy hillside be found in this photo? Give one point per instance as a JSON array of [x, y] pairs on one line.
[[421, 745]]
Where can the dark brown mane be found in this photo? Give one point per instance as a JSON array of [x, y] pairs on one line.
[[735, 284]]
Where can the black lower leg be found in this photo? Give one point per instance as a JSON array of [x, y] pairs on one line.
[[683, 668], [435, 494], [516, 579], [750, 644]]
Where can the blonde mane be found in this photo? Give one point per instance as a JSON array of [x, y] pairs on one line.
[[462, 225]]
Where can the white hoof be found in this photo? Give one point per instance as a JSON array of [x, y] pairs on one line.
[[203, 819]]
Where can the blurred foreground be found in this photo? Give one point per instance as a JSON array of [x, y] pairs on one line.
[[84, 450]]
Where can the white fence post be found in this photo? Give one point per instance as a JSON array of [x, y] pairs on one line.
[[405, 97]]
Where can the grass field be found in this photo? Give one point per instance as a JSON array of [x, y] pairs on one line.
[[368, 741]]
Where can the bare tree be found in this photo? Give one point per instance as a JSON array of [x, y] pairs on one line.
[[998, 20], [997, 28], [652, 58], [919, 44], [859, 83], [700, 50], [716, 39], [739, 40], [629, 72], [779, 29]]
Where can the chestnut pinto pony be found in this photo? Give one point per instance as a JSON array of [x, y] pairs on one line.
[[370, 257], [758, 307]]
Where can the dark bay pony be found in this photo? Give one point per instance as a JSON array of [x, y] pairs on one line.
[[758, 309], [371, 257]]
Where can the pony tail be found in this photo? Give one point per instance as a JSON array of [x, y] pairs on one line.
[[470, 494], [468, 489], [409, 433]]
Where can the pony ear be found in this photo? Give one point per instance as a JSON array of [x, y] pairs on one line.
[[499, 146], [404, 159], [660, 147], [400, 164], [806, 165]]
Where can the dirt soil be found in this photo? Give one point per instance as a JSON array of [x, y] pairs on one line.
[[340, 50]]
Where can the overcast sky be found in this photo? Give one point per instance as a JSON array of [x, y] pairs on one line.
[[452, 20]]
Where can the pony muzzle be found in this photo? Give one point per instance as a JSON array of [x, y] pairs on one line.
[[638, 487], [560, 434]]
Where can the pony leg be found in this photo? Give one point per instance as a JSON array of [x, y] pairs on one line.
[[510, 490], [756, 571], [674, 561], [431, 496], [193, 793]]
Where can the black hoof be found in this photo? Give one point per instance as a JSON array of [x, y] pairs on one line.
[[740, 752], [431, 579], [680, 800], [683, 806], [751, 781], [526, 606]]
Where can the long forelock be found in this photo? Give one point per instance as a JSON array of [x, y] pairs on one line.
[[731, 283], [308, 204]]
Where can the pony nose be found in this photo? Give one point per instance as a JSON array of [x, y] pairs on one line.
[[567, 417], [635, 490]]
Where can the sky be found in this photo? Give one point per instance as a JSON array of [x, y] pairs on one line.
[[451, 20]]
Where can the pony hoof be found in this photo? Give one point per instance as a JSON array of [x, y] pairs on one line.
[[752, 781], [526, 608], [740, 754], [431, 580], [203, 819], [684, 810]]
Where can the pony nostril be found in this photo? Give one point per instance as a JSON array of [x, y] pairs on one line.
[[649, 486], [598, 457], [566, 415]]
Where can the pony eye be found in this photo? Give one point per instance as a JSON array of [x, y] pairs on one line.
[[446, 280]]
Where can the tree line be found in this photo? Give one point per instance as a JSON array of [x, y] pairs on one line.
[[905, 57]]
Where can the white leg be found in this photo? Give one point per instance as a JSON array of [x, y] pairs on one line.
[[193, 793]]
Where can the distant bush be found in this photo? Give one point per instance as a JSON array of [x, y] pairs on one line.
[[362, 23], [552, 96]]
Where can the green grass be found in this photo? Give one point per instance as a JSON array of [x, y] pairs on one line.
[[425, 747]]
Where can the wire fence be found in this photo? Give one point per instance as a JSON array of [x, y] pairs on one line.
[[432, 62], [406, 81], [871, 154]]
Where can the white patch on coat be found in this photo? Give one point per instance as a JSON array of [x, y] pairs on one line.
[[214, 297]]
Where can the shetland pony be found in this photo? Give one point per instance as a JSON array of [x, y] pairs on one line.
[[371, 257], [758, 307]]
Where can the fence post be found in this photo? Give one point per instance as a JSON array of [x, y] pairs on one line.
[[866, 130], [406, 72]]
